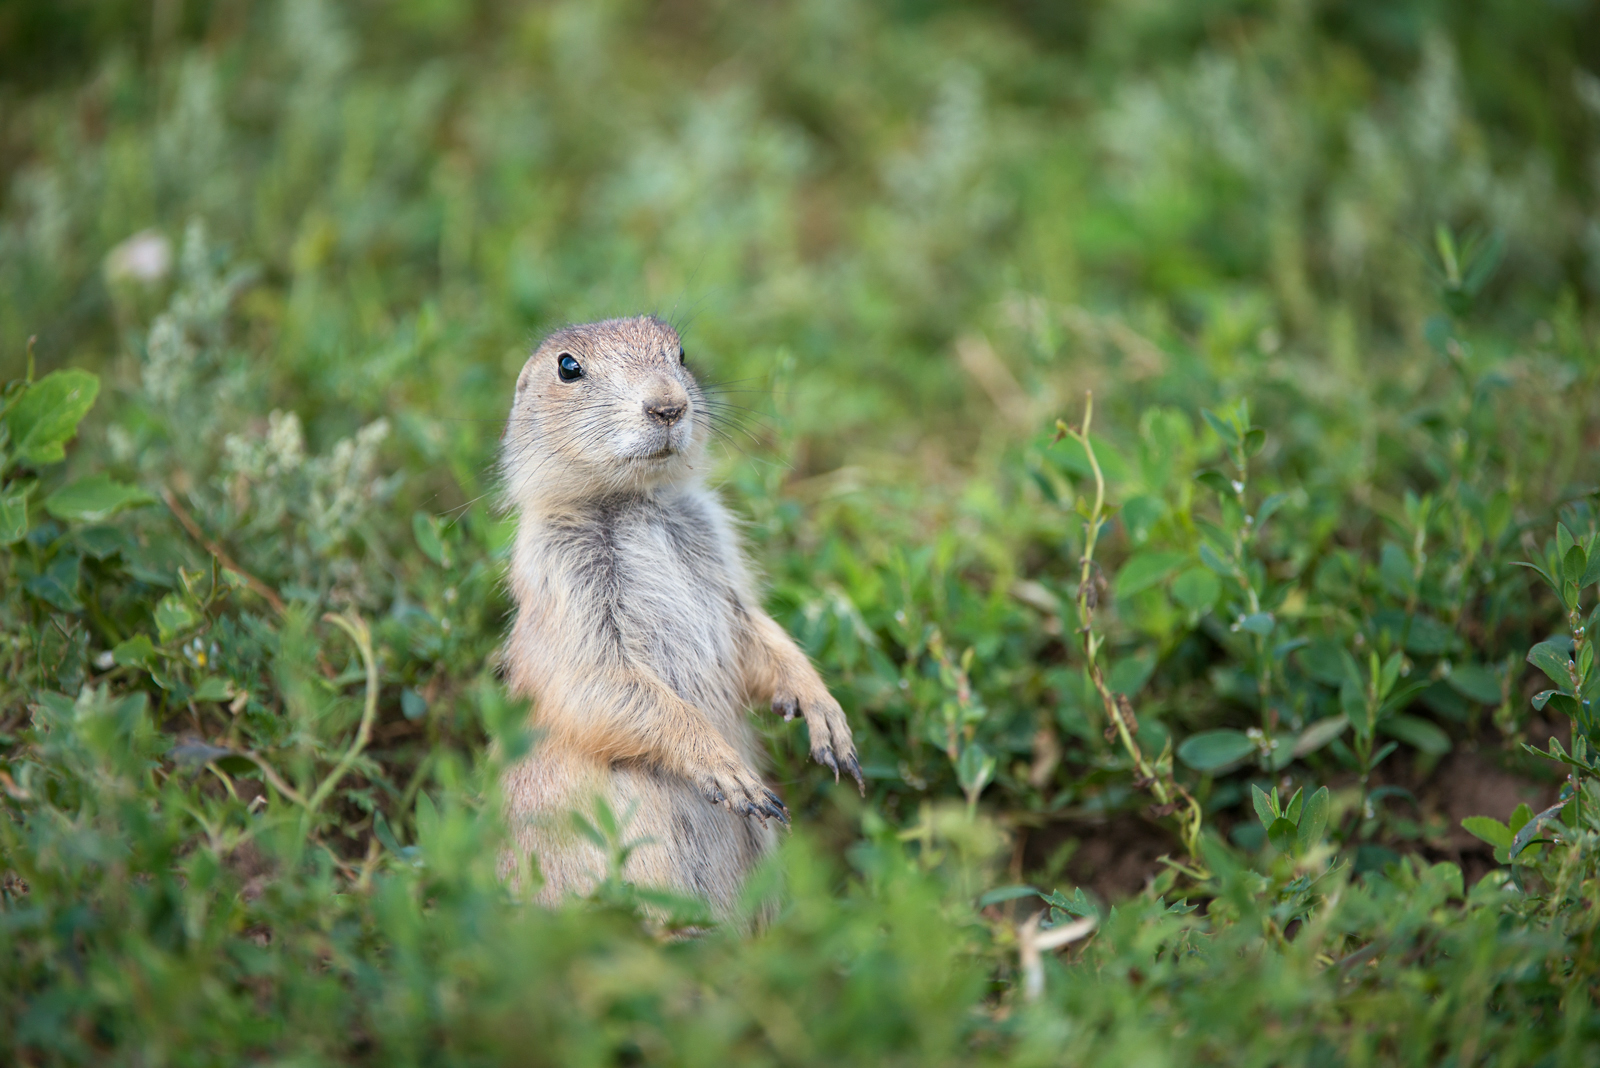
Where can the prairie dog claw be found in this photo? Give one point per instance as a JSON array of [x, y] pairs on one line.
[[743, 792], [831, 744]]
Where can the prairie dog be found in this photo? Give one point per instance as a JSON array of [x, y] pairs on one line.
[[638, 633]]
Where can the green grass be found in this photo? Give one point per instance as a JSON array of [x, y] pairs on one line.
[[1329, 272]]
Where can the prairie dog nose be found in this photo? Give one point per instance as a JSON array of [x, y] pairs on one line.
[[667, 404], [664, 413]]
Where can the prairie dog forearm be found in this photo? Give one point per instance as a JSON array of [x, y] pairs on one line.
[[631, 715], [773, 662]]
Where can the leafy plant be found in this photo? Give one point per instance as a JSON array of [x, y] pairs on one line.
[[1567, 661], [1330, 280]]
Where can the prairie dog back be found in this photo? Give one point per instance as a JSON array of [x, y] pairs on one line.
[[638, 633]]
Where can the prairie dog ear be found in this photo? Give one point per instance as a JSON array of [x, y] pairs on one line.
[[525, 376]]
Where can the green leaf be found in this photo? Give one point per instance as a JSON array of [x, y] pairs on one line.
[[1224, 431], [1078, 904], [606, 820], [1320, 734], [94, 499], [974, 769], [174, 617], [1531, 827], [1141, 513], [1254, 440], [1428, 636], [1323, 660], [47, 416], [1418, 733], [1573, 564], [1564, 541], [1552, 658], [1520, 817], [1216, 480], [213, 688], [1389, 674], [58, 584], [1558, 752], [1128, 675], [1197, 589], [103, 541], [1483, 263], [426, 530], [1488, 830], [1213, 560], [1436, 331], [1071, 455], [428, 818], [1006, 893], [1475, 681], [1563, 703], [1313, 821], [1258, 623], [13, 517], [1265, 805], [1591, 574], [580, 823], [1211, 751], [1282, 835], [137, 651], [384, 833], [412, 704], [1268, 507], [1291, 811], [1553, 584], [1394, 570], [1144, 570]]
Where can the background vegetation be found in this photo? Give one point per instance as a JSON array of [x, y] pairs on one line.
[[1236, 657]]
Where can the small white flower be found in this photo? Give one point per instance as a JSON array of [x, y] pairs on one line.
[[145, 257]]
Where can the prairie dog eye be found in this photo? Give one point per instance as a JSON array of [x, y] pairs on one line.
[[681, 358], [569, 369]]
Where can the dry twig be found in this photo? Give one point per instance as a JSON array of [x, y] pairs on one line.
[[188, 523]]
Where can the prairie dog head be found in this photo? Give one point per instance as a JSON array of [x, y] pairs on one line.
[[603, 408]]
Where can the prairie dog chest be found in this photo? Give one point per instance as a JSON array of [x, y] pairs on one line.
[[662, 570]]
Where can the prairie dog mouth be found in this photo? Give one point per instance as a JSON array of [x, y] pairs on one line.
[[662, 454]]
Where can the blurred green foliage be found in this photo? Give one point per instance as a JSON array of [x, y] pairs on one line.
[[1330, 271]]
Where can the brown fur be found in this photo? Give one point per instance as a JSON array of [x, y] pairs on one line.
[[638, 632]]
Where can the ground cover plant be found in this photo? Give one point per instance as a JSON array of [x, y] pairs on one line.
[[1171, 428]]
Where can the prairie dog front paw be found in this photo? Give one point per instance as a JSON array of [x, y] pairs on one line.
[[831, 743], [744, 793]]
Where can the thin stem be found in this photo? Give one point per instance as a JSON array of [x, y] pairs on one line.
[[1119, 713], [274, 778], [1241, 574], [356, 627]]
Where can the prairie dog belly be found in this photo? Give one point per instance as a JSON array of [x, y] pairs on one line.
[[679, 841]]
